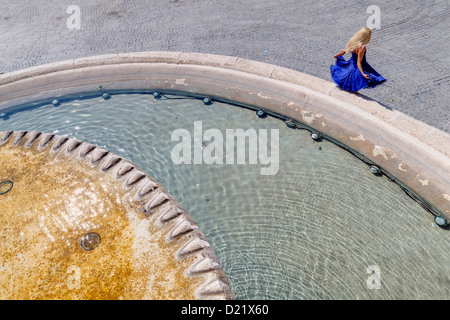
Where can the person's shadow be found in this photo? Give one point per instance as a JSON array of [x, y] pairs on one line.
[[370, 99]]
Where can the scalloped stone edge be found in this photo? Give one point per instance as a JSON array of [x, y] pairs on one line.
[[156, 201]]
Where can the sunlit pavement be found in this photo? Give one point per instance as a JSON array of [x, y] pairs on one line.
[[410, 49]]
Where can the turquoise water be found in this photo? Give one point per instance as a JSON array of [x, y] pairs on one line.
[[311, 231]]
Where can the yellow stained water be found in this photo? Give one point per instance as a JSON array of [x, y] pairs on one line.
[[54, 202]]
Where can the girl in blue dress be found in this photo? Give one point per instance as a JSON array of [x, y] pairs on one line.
[[356, 73]]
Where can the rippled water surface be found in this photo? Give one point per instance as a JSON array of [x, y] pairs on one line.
[[309, 232]]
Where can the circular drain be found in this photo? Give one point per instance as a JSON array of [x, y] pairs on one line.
[[90, 241], [5, 186]]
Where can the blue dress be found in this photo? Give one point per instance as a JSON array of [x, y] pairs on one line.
[[348, 77]]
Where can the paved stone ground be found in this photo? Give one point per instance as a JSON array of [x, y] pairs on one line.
[[411, 49]]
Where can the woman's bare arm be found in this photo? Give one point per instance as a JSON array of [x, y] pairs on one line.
[[339, 54], [361, 51]]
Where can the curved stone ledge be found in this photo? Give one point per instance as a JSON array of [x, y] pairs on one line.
[[147, 237], [411, 151]]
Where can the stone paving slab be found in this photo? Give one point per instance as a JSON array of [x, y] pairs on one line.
[[410, 50]]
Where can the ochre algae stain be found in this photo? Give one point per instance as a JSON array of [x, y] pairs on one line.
[[55, 201]]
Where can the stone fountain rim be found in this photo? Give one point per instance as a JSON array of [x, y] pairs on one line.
[[411, 151]]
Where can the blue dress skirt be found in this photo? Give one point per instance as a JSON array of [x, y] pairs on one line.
[[348, 77]]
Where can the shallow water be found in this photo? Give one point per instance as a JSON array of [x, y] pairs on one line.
[[308, 232]]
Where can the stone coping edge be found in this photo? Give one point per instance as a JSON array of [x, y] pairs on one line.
[[411, 151]]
